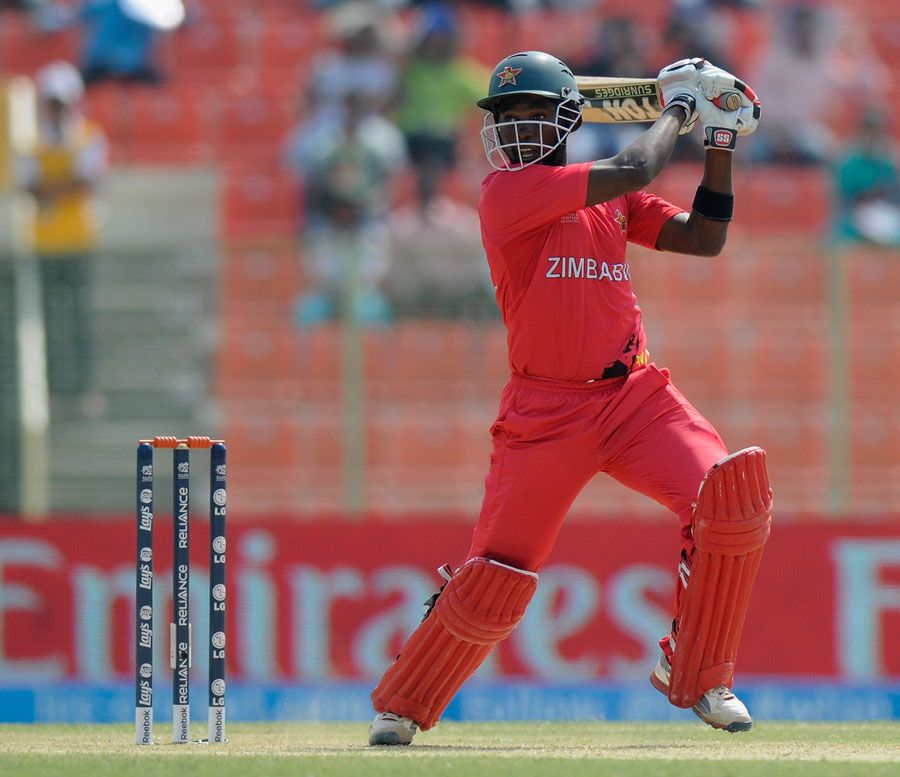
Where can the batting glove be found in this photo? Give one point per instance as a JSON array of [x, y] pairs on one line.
[[722, 128], [731, 107], [722, 121], [678, 85], [716, 85]]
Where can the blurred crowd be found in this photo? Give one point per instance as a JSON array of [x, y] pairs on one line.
[[405, 115], [821, 82], [386, 106]]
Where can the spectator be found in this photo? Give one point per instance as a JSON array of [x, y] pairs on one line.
[[691, 31], [62, 172], [439, 87], [360, 61], [345, 161], [818, 71], [438, 265], [121, 35], [18, 5], [867, 186], [616, 51]]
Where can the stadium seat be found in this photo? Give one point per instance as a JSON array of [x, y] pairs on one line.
[[208, 49], [108, 105], [260, 204], [774, 200], [781, 362], [790, 430], [261, 272], [448, 356], [264, 464], [314, 472], [380, 358], [874, 278], [430, 359], [873, 348], [250, 357], [875, 490], [874, 482], [699, 359], [650, 12], [677, 183], [426, 458], [553, 29], [490, 360], [754, 26], [169, 125], [318, 352], [485, 34], [24, 48], [317, 432], [876, 11], [885, 38], [267, 272], [262, 443], [800, 488], [684, 285], [786, 273], [875, 433], [795, 436], [253, 124], [287, 43]]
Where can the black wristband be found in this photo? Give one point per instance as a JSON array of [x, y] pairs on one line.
[[713, 205]]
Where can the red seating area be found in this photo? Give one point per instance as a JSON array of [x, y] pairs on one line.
[[753, 362], [746, 336]]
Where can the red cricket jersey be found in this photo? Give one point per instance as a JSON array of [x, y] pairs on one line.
[[559, 270]]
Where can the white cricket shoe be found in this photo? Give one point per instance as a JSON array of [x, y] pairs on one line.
[[391, 729], [718, 707]]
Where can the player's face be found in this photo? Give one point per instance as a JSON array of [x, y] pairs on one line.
[[527, 127]]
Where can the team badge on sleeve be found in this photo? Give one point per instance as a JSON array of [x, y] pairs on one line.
[[623, 222]]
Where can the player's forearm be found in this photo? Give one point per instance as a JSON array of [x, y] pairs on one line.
[[654, 147], [636, 165], [703, 232], [717, 171], [711, 233]]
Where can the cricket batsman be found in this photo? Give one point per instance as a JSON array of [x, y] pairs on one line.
[[584, 396]]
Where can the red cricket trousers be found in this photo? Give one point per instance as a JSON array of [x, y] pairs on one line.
[[551, 437]]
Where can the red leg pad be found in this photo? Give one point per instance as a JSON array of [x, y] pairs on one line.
[[731, 525], [481, 605]]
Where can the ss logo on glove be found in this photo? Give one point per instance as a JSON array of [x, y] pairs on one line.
[[720, 137]]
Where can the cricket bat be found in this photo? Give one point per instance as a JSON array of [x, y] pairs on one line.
[[612, 100]]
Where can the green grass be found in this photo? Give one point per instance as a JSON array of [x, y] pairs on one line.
[[461, 750]]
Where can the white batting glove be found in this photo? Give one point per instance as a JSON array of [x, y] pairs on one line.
[[721, 127], [731, 107], [679, 85]]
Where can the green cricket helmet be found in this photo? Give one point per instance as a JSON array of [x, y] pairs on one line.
[[531, 74]]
